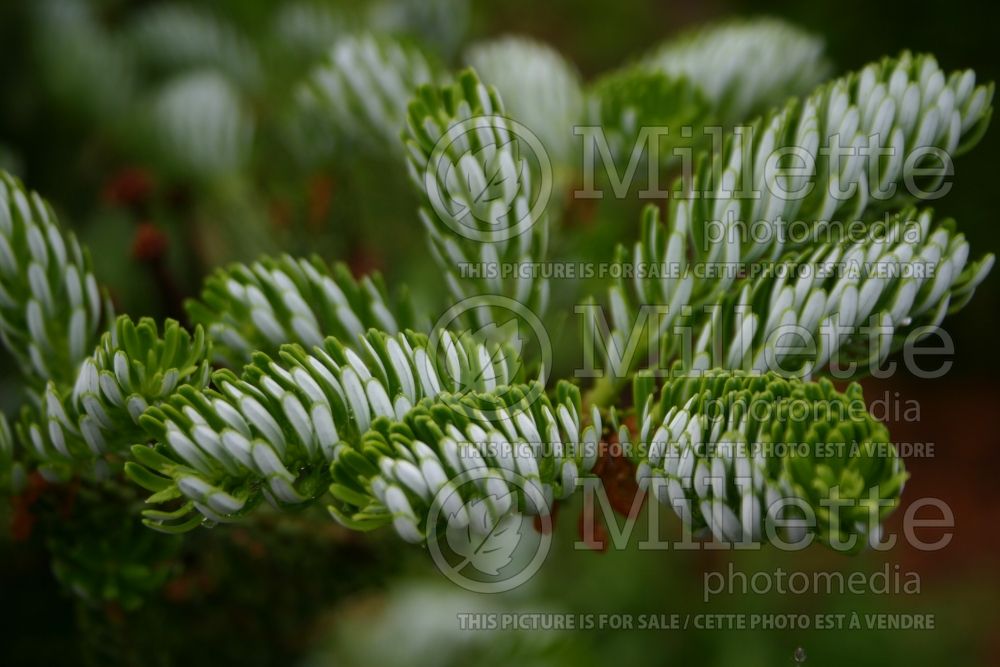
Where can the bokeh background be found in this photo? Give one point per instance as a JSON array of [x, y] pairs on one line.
[[93, 93]]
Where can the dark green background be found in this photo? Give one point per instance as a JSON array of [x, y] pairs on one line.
[[274, 596]]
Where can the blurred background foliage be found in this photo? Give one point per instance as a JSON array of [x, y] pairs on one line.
[[167, 136]]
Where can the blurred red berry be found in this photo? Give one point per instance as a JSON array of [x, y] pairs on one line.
[[321, 189], [617, 473], [149, 243], [23, 518], [129, 187]]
